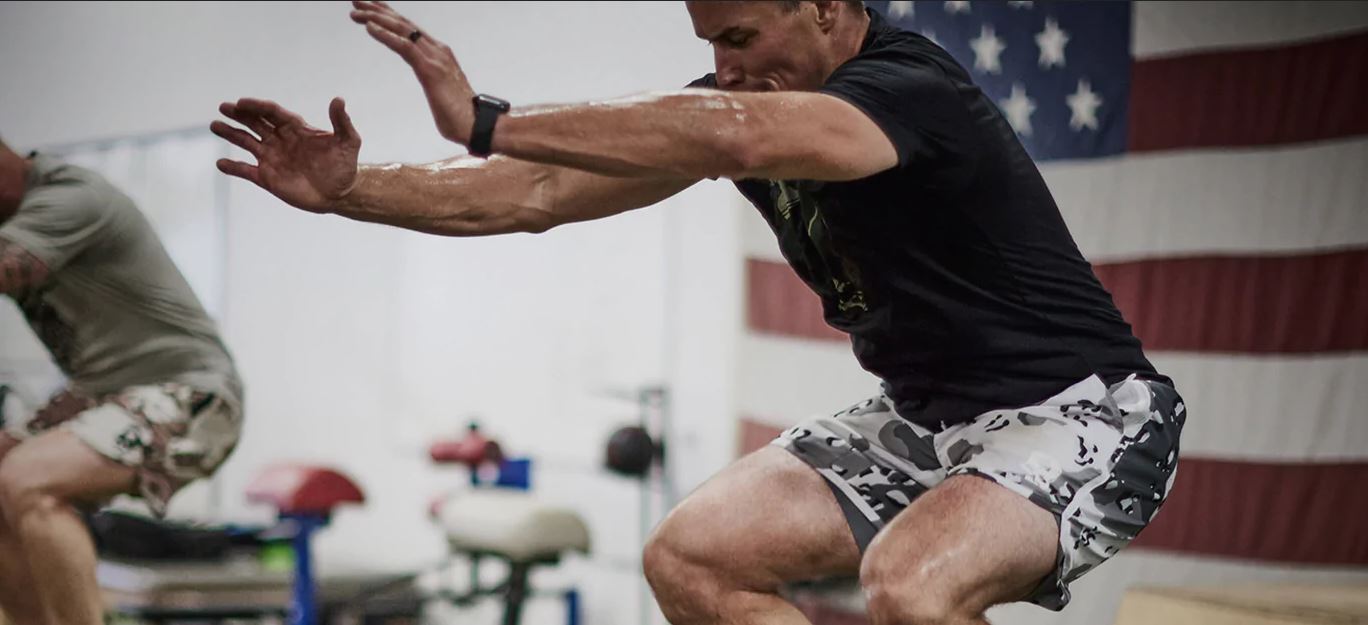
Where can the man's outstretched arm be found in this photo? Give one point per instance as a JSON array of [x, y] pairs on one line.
[[694, 133], [317, 171]]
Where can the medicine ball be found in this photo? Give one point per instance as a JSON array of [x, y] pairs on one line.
[[631, 451]]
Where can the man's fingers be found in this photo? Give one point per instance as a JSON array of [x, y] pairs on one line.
[[386, 17], [392, 23], [341, 122], [365, 5], [237, 137], [400, 45], [274, 113], [252, 122], [241, 170]]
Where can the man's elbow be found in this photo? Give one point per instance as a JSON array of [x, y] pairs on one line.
[[744, 154]]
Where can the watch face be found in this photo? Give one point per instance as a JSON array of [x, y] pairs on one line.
[[488, 100]]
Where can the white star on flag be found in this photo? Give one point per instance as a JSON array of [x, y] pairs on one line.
[[1051, 41], [1083, 102], [931, 34], [1019, 108], [900, 8], [957, 6], [1020, 4], [987, 51]]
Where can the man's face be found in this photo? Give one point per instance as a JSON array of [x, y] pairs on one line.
[[13, 173], [761, 46]]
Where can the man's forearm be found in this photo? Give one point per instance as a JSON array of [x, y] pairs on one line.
[[687, 134], [473, 197], [457, 197]]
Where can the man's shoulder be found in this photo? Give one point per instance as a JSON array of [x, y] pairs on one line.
[[895, 48], [68, 186], [68, 203]]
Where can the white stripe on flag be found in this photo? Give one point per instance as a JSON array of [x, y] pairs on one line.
[[1167, 204], [1276, 408], [1249, 408], [1167, 28], [784, 380]]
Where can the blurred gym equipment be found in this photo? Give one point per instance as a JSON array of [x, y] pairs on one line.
[[160, 572], [498, 518]]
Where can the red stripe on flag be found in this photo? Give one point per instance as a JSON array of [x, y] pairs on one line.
[[1307, 303], [754, 435], [1274, 304], [777, 302], [1249, 97], [1309, 513]]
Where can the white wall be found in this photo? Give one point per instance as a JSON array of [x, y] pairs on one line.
[[360, 343]]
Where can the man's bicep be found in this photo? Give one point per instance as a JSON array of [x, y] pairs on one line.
[[858, 138], [813, 136], [19, 269]]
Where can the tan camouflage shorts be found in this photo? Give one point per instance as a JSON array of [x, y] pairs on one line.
[[1100, 459], [170, 433]]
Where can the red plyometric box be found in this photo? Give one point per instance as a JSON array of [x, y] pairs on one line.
[[300, 489]]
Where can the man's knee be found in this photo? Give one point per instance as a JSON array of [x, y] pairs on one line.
[[24, 490], [685, 578], [911, 593], [662, 562], [697, 565]]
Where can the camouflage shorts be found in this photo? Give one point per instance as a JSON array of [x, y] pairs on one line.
[[1100, 459], [171, 434]]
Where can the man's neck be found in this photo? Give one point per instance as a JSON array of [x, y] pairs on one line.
[[851, 39]]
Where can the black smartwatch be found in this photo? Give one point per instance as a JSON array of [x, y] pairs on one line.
[[487, 111]]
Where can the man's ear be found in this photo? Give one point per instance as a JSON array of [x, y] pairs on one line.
[[825, 13]]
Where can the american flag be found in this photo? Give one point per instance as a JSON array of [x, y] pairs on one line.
[[1210, 160], [1051, 67]]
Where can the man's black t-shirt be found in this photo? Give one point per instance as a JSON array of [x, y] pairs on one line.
[[953, 272]]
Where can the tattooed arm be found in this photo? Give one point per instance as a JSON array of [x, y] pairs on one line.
[[19, 270]]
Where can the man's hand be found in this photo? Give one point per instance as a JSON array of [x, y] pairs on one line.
[[306, 167], [448, 92]]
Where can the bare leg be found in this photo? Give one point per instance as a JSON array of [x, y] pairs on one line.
[[20, 605], [40, 480], [958, 549], [722, 555], [17, 601]]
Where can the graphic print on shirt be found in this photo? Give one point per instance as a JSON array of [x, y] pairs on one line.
[[806, 242]]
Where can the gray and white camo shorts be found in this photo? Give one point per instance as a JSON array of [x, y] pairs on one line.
[[1101, 459]]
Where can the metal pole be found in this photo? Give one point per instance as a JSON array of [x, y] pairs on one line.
[[644, 510], [303, 610]]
